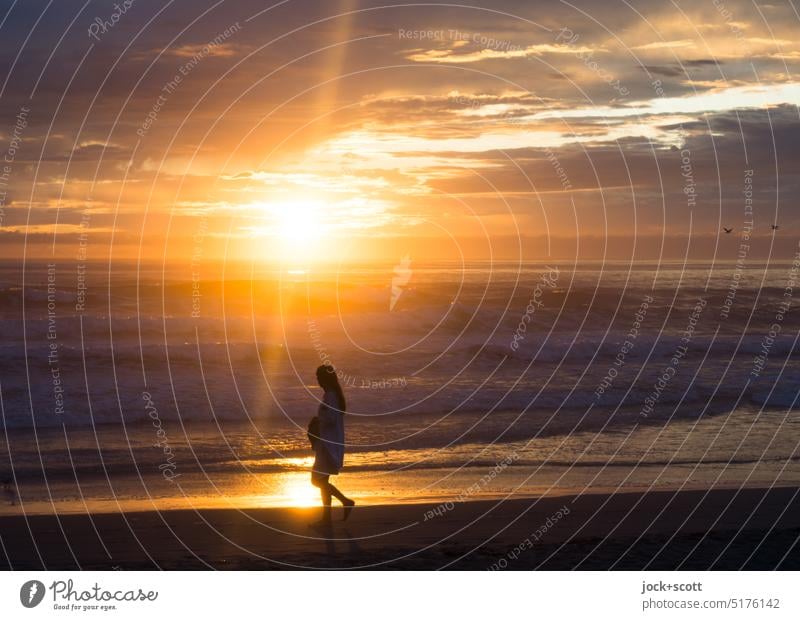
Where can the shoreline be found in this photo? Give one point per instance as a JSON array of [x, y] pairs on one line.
[[77, 507], [692, 529]]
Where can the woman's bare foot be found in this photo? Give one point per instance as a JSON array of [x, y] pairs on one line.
[[348, 508]]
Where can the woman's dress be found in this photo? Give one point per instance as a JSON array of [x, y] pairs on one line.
[[329, 453]]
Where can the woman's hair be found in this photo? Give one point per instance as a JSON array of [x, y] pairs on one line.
[[328, 381]]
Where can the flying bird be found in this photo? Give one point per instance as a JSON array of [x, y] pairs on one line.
[[775, 226], [727, 230]]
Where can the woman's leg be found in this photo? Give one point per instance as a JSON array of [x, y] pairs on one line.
[[338, 494], [346, 501], [321, 481], [327, 490]]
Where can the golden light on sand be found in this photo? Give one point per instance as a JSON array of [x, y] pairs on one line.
[[296, 490]]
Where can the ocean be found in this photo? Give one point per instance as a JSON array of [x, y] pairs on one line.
[[134, 387]]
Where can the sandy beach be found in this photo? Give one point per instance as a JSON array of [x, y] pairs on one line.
[[721, 529]]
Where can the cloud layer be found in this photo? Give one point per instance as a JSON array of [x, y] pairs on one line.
[[411, 122]]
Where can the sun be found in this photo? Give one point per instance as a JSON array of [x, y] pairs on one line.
[[299, 221], [295, 229]]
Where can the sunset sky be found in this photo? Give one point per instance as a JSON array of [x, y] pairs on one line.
[[347, 130]]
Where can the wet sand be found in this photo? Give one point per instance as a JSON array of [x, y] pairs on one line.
[[721, 529]]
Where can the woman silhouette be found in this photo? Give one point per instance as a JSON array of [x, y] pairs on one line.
[[326, 433]]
